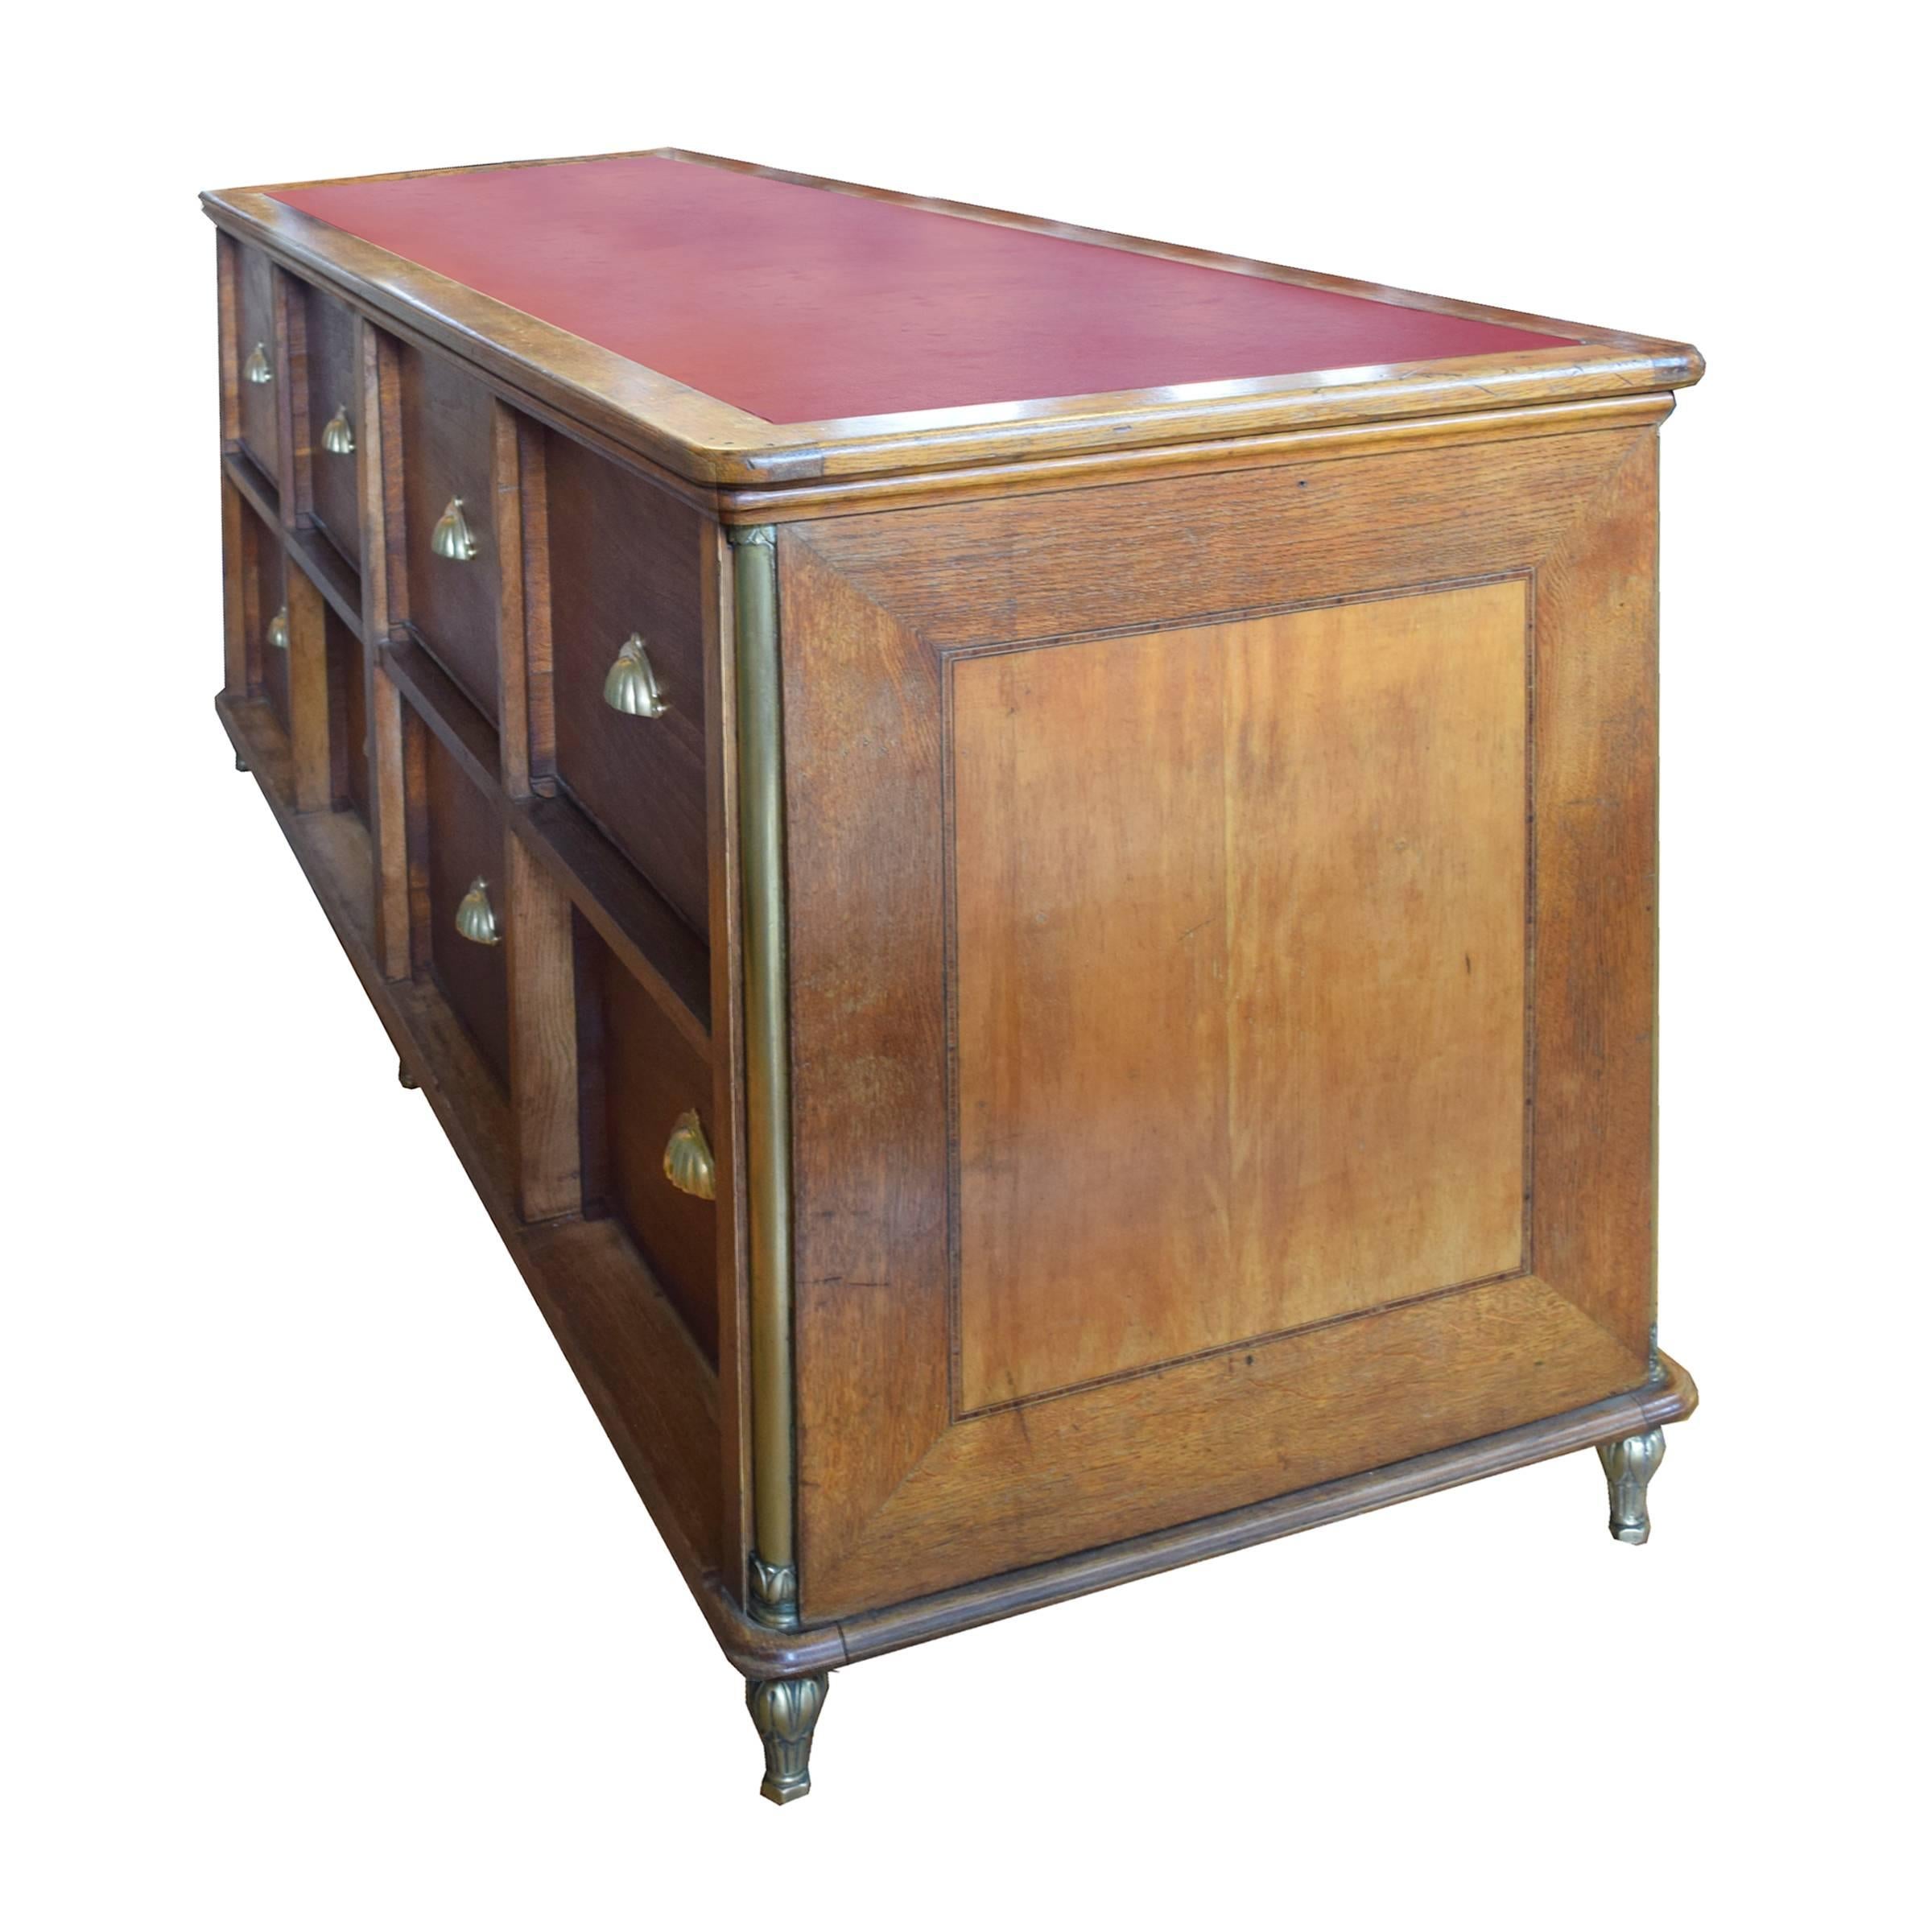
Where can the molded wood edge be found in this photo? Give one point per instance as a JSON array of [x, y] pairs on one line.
[[759, 1652]]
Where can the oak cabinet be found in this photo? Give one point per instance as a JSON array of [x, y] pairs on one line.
[[1041, 938]]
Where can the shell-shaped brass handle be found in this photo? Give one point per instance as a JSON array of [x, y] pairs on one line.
[[451, 538], [476, 917], [687, 1160], [258, 369], [631, 684], [338, 433], [278, 629]]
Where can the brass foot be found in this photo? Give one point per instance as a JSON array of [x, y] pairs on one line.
[[405, 1077], [786, 1710], [1629, 1466], [241, 762]]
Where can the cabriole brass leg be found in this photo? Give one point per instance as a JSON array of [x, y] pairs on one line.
[[1629, 1466], [785, 1709]]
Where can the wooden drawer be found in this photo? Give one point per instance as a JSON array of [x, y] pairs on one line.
[[334, 471], [465, 841], [255, 331], [446, 460], [347, 716], [268, 616], [641, 1078], [625, 559]]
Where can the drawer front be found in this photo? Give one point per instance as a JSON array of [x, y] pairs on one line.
[[271, 614], [335, 427], [347, 716], [255, 331], [466, 844], [641, 1079], [446, 461], [625, 560]]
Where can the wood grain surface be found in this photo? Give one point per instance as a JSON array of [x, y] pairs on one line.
[[1239, 927]]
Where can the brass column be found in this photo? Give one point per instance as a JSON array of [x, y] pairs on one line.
[[774, 1577]]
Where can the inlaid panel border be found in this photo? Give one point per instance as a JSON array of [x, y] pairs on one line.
[[949, 658]]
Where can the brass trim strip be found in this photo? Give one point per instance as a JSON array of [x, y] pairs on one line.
[[767, 1061]]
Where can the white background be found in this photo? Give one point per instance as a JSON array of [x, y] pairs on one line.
[[328, 1604]]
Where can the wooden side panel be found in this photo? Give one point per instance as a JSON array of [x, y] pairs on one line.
[[1239, 938], [1412, 711], [1594, 1216]]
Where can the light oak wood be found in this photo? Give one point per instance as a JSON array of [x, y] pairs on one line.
[[1239, 924], [875, 609]]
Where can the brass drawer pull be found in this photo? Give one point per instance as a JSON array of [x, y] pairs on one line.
[[687, 1160], [451, 538], [257, 369], [338, 435], [278, 629], [631, 685], [476, 917]]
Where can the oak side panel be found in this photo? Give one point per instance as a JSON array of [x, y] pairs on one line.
[[901, 1488], [1239, 923], [1594, 1224], [866, 926]]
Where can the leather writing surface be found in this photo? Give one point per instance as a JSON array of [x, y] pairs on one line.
[[799, 304]]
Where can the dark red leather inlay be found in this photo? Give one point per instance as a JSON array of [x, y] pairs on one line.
[[799, 303]]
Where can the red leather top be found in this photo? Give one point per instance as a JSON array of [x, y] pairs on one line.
[[800, 304]]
